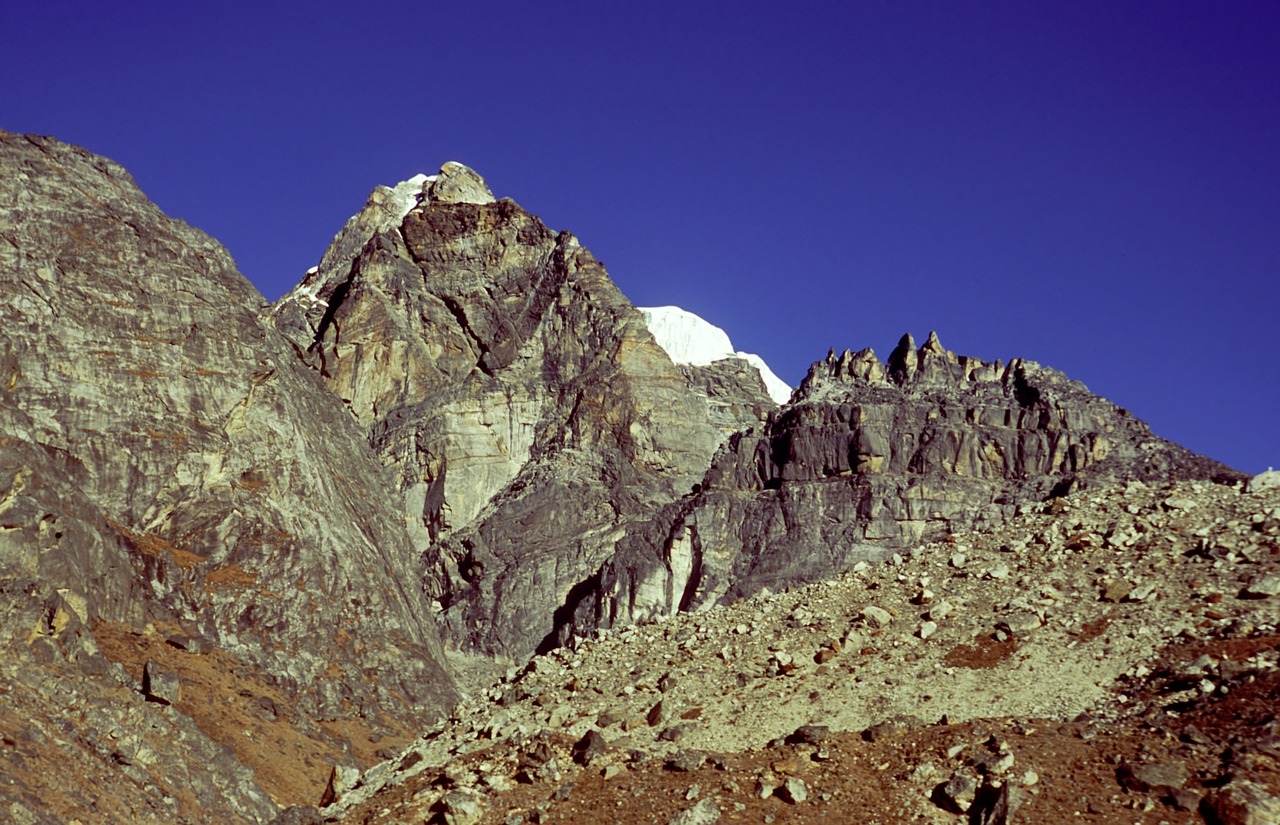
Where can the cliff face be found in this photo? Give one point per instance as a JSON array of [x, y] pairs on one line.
[[528, 413], [869, 460], [165, 457]]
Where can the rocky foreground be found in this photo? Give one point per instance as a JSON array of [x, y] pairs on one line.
[[1110, 655]]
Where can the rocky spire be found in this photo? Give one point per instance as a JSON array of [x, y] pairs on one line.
[[903, 360], [457, 183]]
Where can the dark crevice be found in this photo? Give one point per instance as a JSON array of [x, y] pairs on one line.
[[460, 315], [695, 575], [563, 626], [329, 318]]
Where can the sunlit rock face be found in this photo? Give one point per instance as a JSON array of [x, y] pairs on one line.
[[525, 407], [166, 457], [868, 460]]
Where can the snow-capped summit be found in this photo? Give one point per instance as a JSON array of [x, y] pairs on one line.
[[689, 339], [408, 193]]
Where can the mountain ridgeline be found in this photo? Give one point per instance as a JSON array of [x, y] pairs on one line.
[[455, 434]]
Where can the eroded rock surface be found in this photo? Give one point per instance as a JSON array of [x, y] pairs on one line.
[[868, 460], [166, 457]]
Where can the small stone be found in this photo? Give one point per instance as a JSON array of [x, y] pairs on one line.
[[1262, 587], [160, 686], [685, 761], [958, 792], [1116, 591], [610, 717], [1141, 593], [589, 748], [786, 765], [793, 791], [876, 617], [1159, 777], [1244, 803], [958, 560], [941, 610], [927, 629], [1020, 623], [659, 714], [704, 813], [460, 808], [1000, 571]]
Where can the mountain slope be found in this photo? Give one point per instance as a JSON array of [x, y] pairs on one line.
[[166, 459]]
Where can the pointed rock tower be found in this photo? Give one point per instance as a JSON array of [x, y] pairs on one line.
[[528, 413]]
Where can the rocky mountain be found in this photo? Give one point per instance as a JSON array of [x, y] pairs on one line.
[[169, 464], [868, 460], [247, 551], [527, 411]]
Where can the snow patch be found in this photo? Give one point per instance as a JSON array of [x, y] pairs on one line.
[[408, 193], [689, 339]]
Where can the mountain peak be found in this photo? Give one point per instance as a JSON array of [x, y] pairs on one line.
[[458, 183]]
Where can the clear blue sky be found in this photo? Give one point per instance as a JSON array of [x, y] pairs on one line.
[[1092, 185]]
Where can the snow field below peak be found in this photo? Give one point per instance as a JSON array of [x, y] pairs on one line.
[[689, 339]]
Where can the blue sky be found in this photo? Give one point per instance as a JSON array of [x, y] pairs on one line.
[[1094, 186]]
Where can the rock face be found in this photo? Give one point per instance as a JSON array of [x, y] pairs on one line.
[[166, 458], [527, 411], [868, 460]]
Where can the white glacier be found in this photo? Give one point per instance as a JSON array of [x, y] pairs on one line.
[[689, 339]]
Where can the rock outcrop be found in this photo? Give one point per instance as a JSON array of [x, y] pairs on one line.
[[527, 411], [870, 459], [165, 457]]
